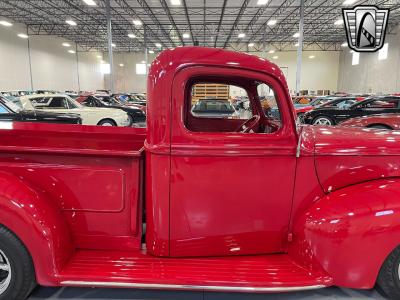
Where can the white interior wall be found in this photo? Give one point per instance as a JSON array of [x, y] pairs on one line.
[[372, 75], [52, 66]]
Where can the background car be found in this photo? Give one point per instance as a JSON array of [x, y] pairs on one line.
[[214, 108], [9, 111], [89, 115], [333, 115], [383, 121], [137, 115]]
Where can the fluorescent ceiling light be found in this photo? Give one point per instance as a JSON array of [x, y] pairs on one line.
[[272, 22], [296, 45], [241, 35], [158, 45], [251, 45], [349, 2], [355, 59], [271, 51], [121, 65], [383, 53], [71, 51], [5, 23], [66, 44], [296, 35], [151, 51], [113, 45], [262, 2], [137, 22], [71, 22], [339, 22], [143, 61], [186, 35], [344, 44], [99, 56], [275, 57], [131, 35], [175, 2], [311, 56], [90, 2], [22, 35]]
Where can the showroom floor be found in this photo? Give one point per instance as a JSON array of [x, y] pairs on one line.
[[120, 294]]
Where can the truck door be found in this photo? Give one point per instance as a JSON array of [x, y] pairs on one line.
[[233, 162]]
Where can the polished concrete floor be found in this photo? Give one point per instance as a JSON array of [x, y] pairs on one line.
[[41, 293]]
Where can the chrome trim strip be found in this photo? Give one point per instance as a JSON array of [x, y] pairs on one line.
[[189, 287], [298, 145]]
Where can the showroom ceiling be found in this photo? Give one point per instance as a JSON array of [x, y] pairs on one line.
[[169, 23]]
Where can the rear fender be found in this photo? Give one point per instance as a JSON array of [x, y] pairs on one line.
[[350, 232], [38, 223]]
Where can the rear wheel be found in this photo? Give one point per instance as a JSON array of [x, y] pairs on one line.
[[17, 276], [107, 122], [323, 120]]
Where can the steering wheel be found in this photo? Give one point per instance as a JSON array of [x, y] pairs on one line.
[[249, 124]]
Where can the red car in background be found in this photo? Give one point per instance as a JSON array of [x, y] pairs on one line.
[[382, 121]]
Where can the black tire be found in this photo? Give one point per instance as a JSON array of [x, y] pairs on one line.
[[388, 278], [314, 121], [22, 279], [379, 126], [107, 122]]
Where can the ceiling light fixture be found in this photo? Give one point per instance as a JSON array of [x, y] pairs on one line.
[[137, 22], [251, 45], [311, 56], [66, 44], [296, 35], [339, 22], [99, 56], [22, 35], [275, 57], [349, 2], [271, 51], [344, 44], [90, 2], [151, 51], [71, 51], [5, 23], [296, 45], [272, 22], [186, 35], [71, 22], [175, 2], [113, 45], [158, 45], [241, 35], [121, 65], [262, 2], [131, 35]]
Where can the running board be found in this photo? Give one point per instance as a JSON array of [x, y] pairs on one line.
[[252, 274], [215, 288]]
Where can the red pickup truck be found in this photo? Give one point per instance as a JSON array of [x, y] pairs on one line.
[[223, 204]]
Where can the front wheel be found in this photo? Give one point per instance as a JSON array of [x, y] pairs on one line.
[[107, 122], [322, 120], [17, 276], [389, 275]]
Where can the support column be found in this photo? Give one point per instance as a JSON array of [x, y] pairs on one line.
[[300, 48], [146, 51], [110, 50], [77, 67], [29, 58]]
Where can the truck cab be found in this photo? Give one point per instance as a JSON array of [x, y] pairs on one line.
[[247, 202]]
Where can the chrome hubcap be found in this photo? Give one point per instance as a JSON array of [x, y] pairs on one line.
[[5, 272], [106, 124], [322, 121]]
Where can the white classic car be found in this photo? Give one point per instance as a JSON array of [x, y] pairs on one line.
[[65, 104]]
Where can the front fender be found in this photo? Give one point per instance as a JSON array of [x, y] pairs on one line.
[[350, 232], [38, 223]]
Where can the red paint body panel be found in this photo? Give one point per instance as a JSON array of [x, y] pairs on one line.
[[391, 121], [301, 206]]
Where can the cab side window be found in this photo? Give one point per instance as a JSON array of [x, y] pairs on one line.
[[231, 107]]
